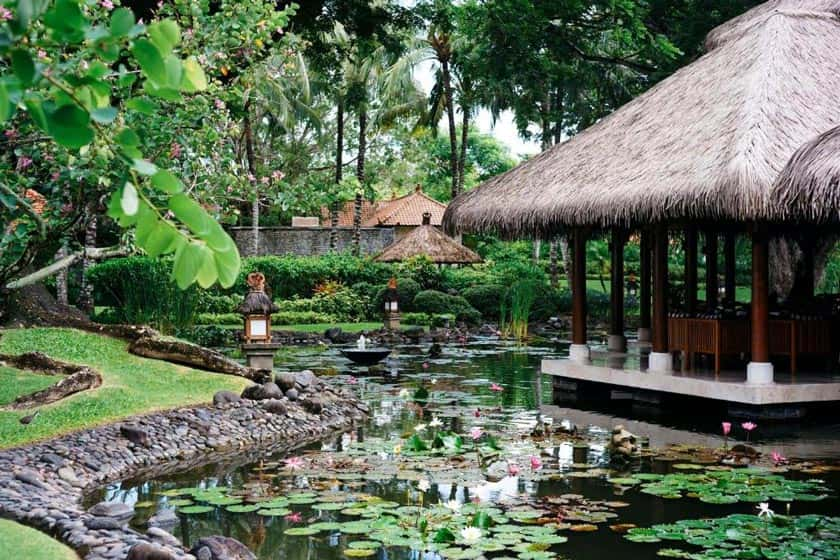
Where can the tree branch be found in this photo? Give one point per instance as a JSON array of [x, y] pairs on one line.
[[42, 227], [637, 66], [94, 253]]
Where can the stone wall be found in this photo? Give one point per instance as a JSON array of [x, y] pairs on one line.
[[310, 240]]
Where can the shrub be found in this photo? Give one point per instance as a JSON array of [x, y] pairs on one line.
[[344, 304], [213, 303], [459, 279], [434, 302], [485, 298], [422, 270], [279, 318], [207, 335], [414, 318]]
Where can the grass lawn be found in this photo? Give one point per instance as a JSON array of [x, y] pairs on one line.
[[130, 384], [21, 542], [14, 383], [321, 327]]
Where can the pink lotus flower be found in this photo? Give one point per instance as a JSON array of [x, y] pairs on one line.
[[496, 387], [294, 463], [352, 380], [477, 413], [107, 4], [778, 458], [749, 426], [294, 517], [535, 463], [5, 13], [513, 469], [727, 427], [425, 365], [476, 433]]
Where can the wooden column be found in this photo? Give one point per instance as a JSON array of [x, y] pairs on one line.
[[644, 278], [760, 296], [579, 287], [711, 269], [691, 270], [617, 240], [660, 290], [729, 267]]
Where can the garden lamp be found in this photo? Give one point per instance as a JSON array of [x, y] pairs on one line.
[[256, 310], [391, 305]]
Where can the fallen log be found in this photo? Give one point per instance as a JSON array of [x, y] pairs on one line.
[[185, 353], [84, 379]]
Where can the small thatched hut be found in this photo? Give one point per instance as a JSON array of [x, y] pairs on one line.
[[429, 241]]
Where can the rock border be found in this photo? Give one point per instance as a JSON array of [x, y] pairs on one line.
[[44, 485]]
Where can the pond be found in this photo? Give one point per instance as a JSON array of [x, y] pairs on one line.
[[457, 461]]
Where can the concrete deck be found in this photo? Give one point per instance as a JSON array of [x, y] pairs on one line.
[[629, 371]]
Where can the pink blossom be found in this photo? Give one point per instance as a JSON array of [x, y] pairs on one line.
[[513, 469], [277, 175], [252, 178], [107, 4], [5, 14], [496, 387], [476, 432], [23, 163], [175, 150], [778, 458], [535, 463], [11, 133], [294, 517], [727, 427], [477, 413], [749, 426], [294, 463], [219, 104], [42, 54], [352, 380], [425, 365], [55, 175]]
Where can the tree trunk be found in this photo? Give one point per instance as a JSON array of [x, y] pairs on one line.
[[86, 290], [339, 141], [360, 175], [453, 138], [252, 175], [61, 278], [566, 253], [357, 224], [462, 163], [255, 222], [537, 249], [552, 260], [334, 207]]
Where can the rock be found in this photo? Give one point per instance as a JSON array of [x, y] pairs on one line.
[[292, 394], [163, 537], [163, 518], [333, 334], [275, 406], [313, 405], [136, 435], [32, 477], [117, 510], [271, 391], [285, 380], [68, 475], [306, 380], [622, 442], [252, 392], [221, 548], [53, 459], [226, 397], [148, 551], [108, 523]]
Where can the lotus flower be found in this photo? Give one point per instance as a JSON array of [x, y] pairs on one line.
[[405, 393], [435, 423], [420, 428], [477, 413], [749, 426], [496, 387], [727, 427], [433, 381], [471, 534], [425, 365], [764, 510], [778, 458], [294, 463], [476, 433], [424, 485], [536, 463], [294, 517], [513, 469], [352, 380], [453, 505]]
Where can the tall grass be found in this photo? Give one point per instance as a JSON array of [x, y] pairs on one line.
[[515, 309]]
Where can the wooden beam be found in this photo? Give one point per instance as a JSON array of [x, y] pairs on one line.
[[760, 296], [660, 290], [617, 240], [579, 287], [691, 270]]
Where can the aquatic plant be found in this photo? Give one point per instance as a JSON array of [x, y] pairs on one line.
[[727, 427], [515, 309], [749, 427]]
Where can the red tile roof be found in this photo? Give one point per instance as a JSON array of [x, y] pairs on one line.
[[406, 210]]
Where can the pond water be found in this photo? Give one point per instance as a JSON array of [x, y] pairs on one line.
[[534, 485]]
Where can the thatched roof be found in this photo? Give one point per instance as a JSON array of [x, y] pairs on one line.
[[706, 143], [809, 185], [430, 241]]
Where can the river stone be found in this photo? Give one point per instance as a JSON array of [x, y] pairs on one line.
[[306, 379], [333, 334], [285, 380], [163, 537], [68, 475], [32, 477], [107, 523], [147, 551], [221, 548], [226, 397], [163, 518], [270, 390], [274, 406], [117, 510], [252, 393], [292, 394], [136, 435], [313, 404]]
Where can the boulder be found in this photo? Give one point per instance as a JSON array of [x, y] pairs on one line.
[[108, 523], [163, 518], [270, 390], [622, 442], [306, 380], [116, 510], [274, 406], [252, 393], [226, 397], [313, 405], [333, 334], [163, 537], [285, 380], [217, 547], [292, 394], [148, 551], [136, 435]]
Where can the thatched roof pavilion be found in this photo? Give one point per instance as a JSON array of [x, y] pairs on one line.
[[700, 152], [707, 143], [429, 241]]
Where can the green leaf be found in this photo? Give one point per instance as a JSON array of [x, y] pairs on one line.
[[127, 138], [144, 167], [142, 105], [174, 72], [194, 78], [70, 127], [161, 240], [5, 104], [122, 21], [207, 274], [165, 35], [191, 214], [129, 202], [147, 221], [166, 182], [188, 261], [227, 265], [104, 115], [27, 10], [150, 60], [66, 15], [23, 66], [444, 535]]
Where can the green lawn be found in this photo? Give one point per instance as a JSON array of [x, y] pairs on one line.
[[14, 383], [20, 542], [130, 384], [321, 327]]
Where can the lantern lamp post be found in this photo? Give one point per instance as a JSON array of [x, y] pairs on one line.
[[256, 312], [391, 306]]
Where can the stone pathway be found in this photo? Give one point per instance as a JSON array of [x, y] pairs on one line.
[[43, 485]]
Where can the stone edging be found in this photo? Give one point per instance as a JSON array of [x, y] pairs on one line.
[[43, 485]]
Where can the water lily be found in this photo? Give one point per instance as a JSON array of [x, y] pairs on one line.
[[513, 469], [434, 381], [471, 534], [419, 428], [536, 463], [405, 393], [476, 432], [426, 366], [749, 426], [764, 510], [477, 413], [778, 458], [496, 387], [294, 463], [397, 449], [727, 427], [352, 380], [435, 423], [424, 485], [453, 505], [294, 517]]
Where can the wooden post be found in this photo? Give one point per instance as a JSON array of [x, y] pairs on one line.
[[691, 270], [579, 288], [660, 290], [616, 341], [760, 370], [729, 267], [644, 289], [711, 269]]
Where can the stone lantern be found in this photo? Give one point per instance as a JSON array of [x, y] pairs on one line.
[[391, 305], [256, 311]]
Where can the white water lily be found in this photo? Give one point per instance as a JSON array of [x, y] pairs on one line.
[[423, 485], [434, 381], [764, 510], [405, 393], [435, 423], [453, 505], [471, 534], [420, 428]]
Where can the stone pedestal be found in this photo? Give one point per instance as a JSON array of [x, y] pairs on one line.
[[660, 362], [759, 373], [616, 343], [260, 356], [392, 320], [579, 353]]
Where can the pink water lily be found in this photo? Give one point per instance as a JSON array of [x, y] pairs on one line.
[[536, 463], [513, 469], [496, 387], [477, 413], [749, 426], [476, 432], [425, 365], [778, 458], [294, 517], [294, 463], [352, 380], [727, 427]]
